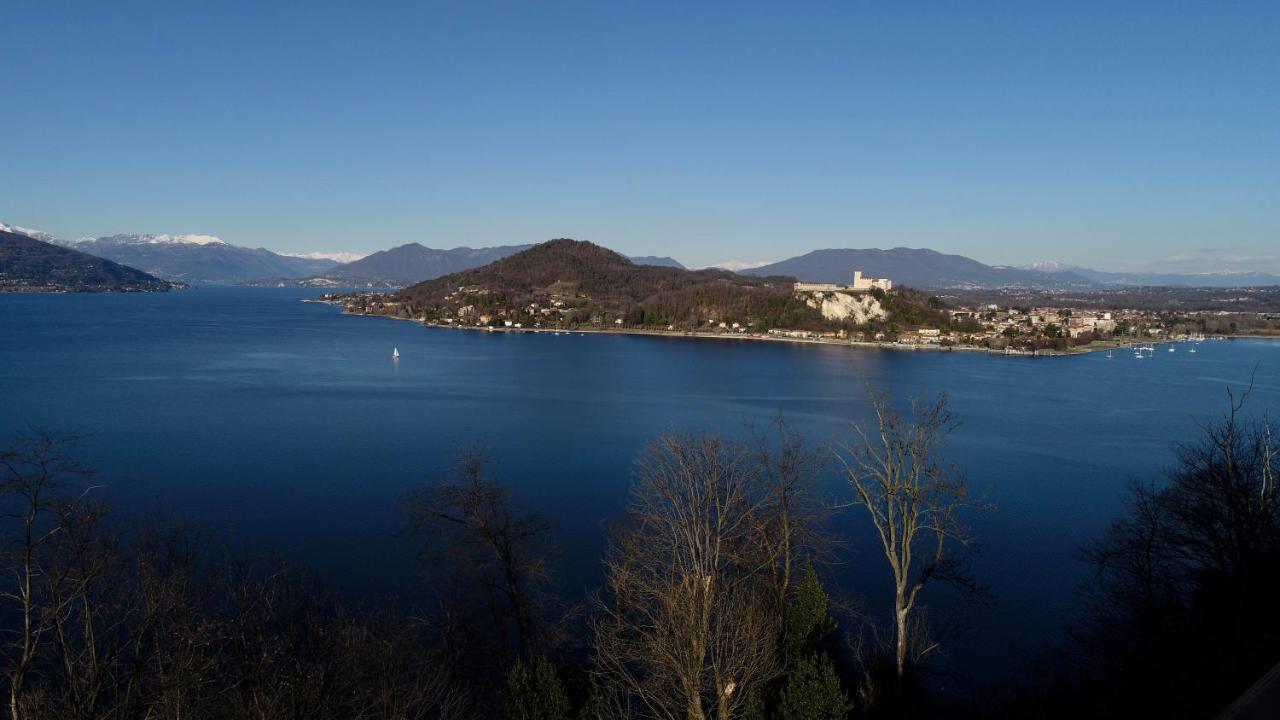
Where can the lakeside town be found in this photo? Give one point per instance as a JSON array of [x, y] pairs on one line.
[[866, 312]]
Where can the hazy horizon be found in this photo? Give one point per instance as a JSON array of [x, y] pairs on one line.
[[1134, 138]]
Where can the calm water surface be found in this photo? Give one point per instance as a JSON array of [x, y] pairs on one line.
[[289, 426]]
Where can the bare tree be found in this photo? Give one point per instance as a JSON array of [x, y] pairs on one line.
[[86, 610], [1187, 579], [105, 624], [789, 467], [468, 521], [33, 473], [174, 641], [689, 625], [912, 495]]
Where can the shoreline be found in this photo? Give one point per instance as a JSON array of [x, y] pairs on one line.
[[835, 342]]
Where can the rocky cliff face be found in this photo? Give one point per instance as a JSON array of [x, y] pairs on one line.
[[857, 308]]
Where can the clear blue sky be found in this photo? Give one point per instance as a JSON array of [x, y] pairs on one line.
[[1110, 134]]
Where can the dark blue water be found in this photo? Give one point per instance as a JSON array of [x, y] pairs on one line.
[[287, 425]]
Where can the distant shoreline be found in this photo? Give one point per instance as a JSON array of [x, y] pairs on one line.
[[833, 342]]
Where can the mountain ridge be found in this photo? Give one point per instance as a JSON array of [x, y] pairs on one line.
[[208, 259], [414, 262], [28, 264], [930, 269], [411, 263], [916, 267], [199, 259], [185, 258]]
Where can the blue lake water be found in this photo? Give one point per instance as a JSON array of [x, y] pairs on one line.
[[288, 426]]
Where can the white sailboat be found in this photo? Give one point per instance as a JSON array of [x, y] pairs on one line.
[[395, 353]]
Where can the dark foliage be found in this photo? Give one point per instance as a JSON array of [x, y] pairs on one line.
[[1184, 612], [157, 623], [103, 621], [486, 561], [1182, 615], [534, 692]]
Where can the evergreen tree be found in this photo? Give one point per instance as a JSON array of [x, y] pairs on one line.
[[534, 692], [807, 624], [810, 689], [812, 692]]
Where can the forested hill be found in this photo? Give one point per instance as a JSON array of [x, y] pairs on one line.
[[579, 282], [30, 265]]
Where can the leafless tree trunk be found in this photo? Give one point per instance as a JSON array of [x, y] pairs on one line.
[[689, 625], [32, 473], [788, 468], [912, 495], [89, 604], [492, 555]]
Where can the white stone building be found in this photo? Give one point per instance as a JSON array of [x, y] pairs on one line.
[[860, 284]]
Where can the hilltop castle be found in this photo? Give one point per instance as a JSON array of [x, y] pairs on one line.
[[860, 285]]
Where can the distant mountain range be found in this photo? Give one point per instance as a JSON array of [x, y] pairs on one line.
[[1148, 279], [658, 261], [31, 265], [413, 263], [933, 270], [206, 259], [408, 264], [915, 268], [199, 259]]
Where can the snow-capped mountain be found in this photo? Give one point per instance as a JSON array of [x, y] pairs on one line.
[[740, 265], [191, 258], [154, 239], [30, 264], [1049, 266], [29, 232], [338, 257], [201, 259]]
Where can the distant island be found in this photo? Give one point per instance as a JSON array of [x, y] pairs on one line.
[[31, 265]]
